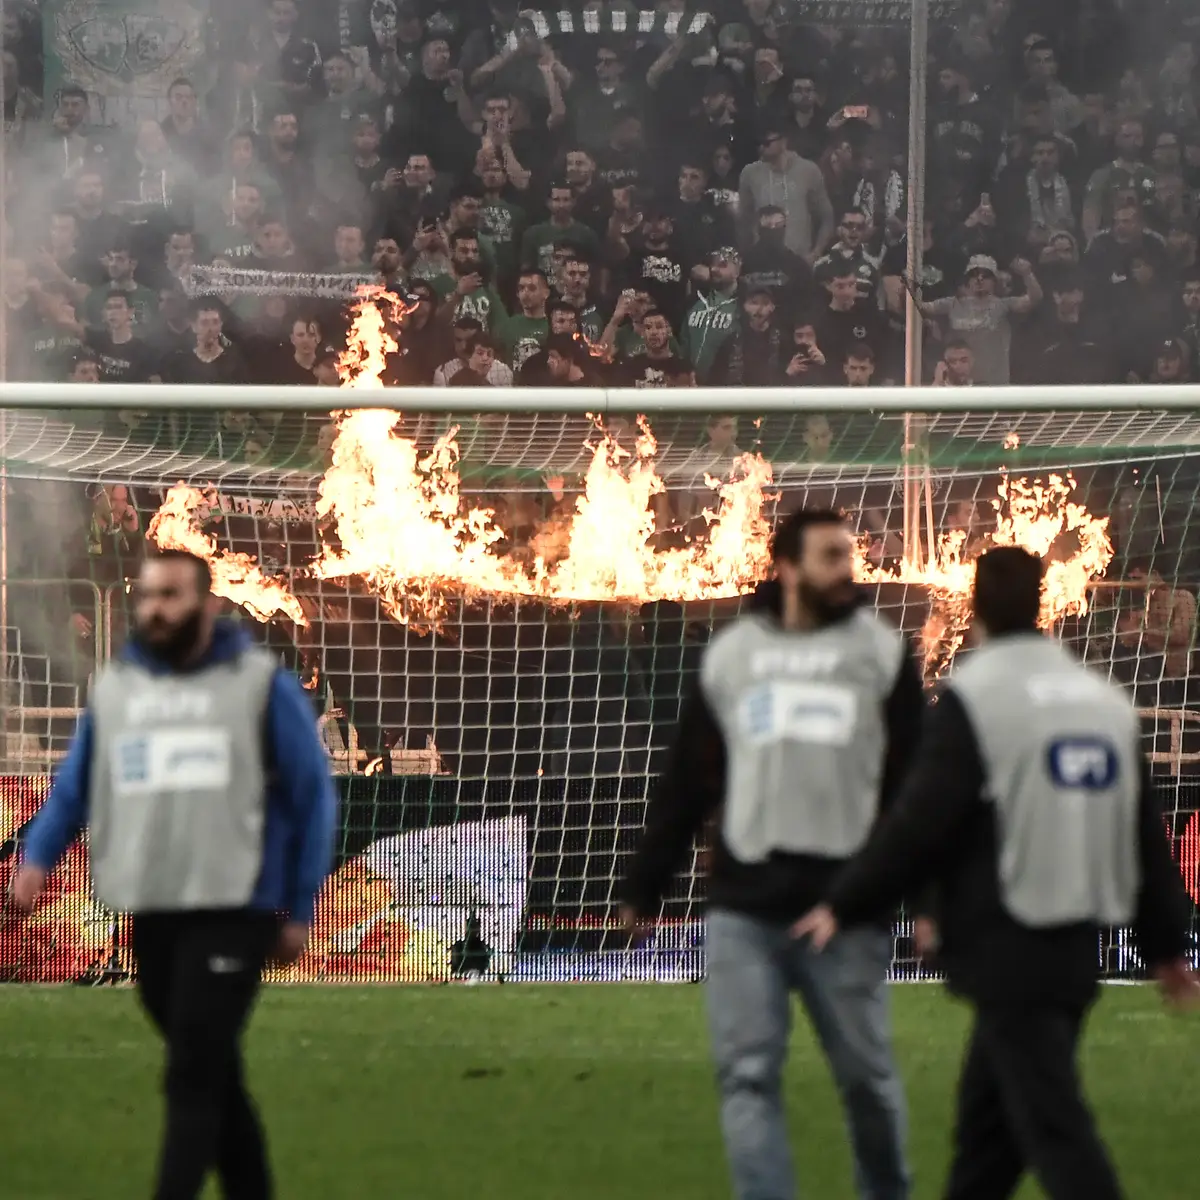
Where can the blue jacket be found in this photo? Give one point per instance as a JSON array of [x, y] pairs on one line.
[[301, 812]]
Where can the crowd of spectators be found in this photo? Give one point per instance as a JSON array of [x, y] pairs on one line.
[[709, 201], [714, 194]]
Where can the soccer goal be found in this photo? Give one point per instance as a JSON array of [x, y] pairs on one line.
[[498, 597]]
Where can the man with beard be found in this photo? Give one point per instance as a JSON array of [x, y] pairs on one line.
[[754, 355], [811, 706], [712, 318], [473, 295], [200, 773], [658, 365]]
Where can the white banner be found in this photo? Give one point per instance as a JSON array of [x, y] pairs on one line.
[[233, 281]]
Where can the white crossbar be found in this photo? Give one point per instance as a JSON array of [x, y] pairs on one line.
[[624, 401]]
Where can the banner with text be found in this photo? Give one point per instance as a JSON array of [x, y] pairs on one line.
[[125, 53]]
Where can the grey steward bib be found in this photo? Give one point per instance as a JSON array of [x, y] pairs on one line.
[[1062, 767], [177, 794], [802, 714]]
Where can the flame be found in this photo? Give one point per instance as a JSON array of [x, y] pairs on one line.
[[1040, 516], [399, 524], [594, 349], [1012, 441], [236, 576]]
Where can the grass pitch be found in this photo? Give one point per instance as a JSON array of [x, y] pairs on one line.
[[527, 1093]]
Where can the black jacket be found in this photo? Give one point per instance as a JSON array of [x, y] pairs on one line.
[[940, 830], [692, 787]]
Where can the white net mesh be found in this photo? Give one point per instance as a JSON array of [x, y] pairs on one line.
[[497, 627]]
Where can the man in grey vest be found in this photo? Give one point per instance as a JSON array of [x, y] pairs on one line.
[[205, 788], [1030, 806], [800, 732]]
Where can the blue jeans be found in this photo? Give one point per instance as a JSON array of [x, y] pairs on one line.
[[753, 967]]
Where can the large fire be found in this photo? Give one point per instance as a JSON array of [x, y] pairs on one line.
[[1038, 515], [401, 526], [238, 577]]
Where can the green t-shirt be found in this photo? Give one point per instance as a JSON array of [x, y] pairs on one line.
[[709, 322], [485, 305], [142, 301], [523, 337], [231, 242], [503, 223], [537, 246]]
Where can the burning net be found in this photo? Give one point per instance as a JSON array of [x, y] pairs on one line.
[[398, 524]]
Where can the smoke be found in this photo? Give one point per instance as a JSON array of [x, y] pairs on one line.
[[46, 539]]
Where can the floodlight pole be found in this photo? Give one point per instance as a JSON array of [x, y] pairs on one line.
[[3, 414], [918, 493]]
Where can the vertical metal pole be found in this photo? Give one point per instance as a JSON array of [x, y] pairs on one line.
[[915, 472], [3, 377]]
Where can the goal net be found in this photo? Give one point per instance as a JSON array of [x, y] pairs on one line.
[[497, 614]]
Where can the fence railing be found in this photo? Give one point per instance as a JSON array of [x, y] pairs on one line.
[[36, 732]]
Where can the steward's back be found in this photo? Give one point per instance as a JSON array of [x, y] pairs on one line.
[[1059, 747]]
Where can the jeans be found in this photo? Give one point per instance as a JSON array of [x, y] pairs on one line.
[[753, 966]]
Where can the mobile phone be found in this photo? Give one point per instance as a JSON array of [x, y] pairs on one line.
[[985, 201], [856, 112]]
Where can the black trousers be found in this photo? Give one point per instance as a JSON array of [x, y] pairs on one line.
[[198, 976], [1021, 1108]]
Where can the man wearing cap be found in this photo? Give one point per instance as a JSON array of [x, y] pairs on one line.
[[1170, 364], [983, 319], [712, 317], [782, 178]]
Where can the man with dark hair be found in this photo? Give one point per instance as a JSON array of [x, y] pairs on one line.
[[769, 263], [198, 769], [714, 317], [574, 287], [847, 321], [211, 359], [755, 353], [537, 245], [851, 251], [123, 357], [810, 706], [120, 264], [556, 365], [859, 368], [701, 224], [652, 258], [1030, 806], [658, 364], [524, 332]]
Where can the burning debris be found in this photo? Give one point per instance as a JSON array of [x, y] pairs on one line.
[[399, 523]]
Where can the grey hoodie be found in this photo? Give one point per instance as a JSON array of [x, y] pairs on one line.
[[799, 189]]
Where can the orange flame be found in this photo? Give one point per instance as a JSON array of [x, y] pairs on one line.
[[1039, 516], [402, 526], [236, 576]]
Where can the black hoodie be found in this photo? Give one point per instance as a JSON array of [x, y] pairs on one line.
[[692, 788]]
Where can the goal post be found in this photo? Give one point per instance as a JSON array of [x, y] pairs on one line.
[[498, 597]]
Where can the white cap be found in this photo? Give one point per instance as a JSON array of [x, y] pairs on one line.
[[982, 262]]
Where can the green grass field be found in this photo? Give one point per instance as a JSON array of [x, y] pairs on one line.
[[526, 1093]]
